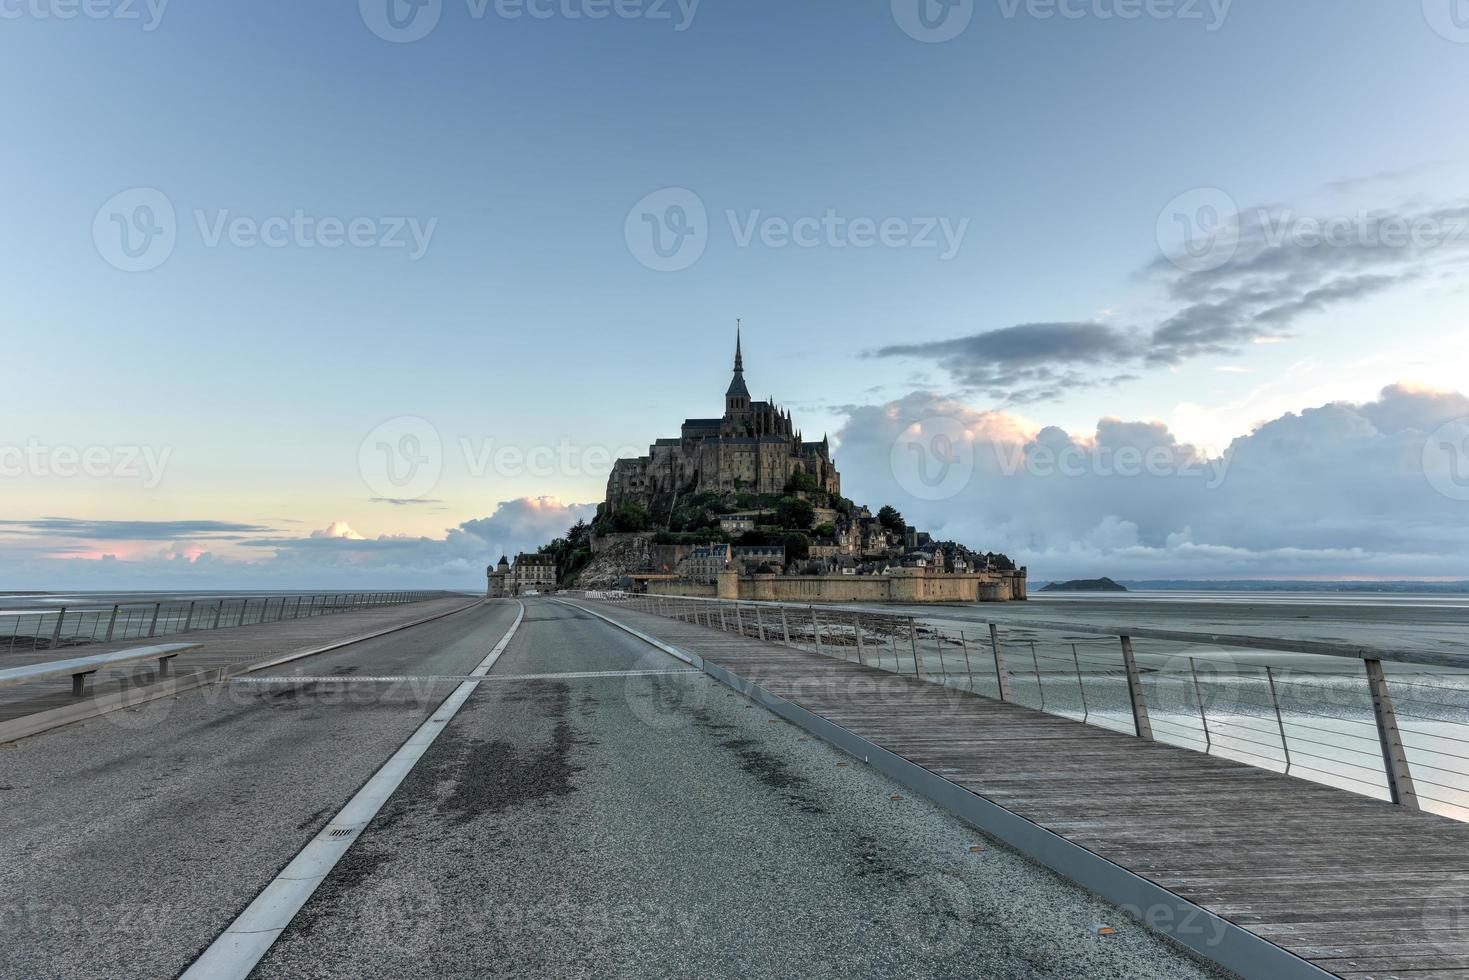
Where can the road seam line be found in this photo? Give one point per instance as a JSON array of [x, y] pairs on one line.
[[443, 678], [237, 950]]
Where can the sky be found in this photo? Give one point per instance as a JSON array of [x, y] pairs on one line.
[[365, 293]]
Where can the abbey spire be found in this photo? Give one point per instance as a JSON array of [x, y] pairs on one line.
[[737, 398]]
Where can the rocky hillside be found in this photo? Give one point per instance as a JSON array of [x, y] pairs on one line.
[[622, 556]]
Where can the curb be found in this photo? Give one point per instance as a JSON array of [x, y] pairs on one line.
[[95, 707]]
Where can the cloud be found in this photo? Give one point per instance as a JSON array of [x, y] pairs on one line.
[[334, 557], [1030, 361], [69, 527], [526, 523], [1337, 490], [338, 529], [1261, 272]]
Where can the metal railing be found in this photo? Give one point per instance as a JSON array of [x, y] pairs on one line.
[[1388, 724], [25, 630]]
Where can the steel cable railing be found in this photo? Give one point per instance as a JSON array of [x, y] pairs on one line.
[[1390, 725], [27, 630]]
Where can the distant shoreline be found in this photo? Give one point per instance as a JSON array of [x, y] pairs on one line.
[[1257, 585]]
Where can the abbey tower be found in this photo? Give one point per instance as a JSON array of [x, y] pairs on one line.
[[754, 448]]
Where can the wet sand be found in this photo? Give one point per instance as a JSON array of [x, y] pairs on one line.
[[1435, 623]]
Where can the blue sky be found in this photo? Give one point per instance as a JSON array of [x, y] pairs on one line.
[[520, 148]]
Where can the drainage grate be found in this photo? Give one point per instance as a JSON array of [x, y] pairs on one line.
[[342, 832]]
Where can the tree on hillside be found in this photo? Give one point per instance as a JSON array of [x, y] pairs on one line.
[[801, 480], [889, 518], [631, 516], [794, 514]]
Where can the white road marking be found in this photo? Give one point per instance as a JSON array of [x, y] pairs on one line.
[[234, 954], [407, 678]]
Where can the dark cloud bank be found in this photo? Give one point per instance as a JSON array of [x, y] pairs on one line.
[[1338, 490]]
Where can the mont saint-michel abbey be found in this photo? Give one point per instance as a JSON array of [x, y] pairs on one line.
[[754, 447]]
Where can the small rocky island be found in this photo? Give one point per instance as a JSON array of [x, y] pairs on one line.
[[1102, 584]]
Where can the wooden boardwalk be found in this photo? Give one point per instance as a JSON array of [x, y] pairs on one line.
[[1357, 887], [225, 651]]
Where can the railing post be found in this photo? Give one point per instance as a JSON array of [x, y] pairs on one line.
[[56, 633], [1394, 756], [153, 626], [1279, 722], [759, 624], [1002, 673], [968, 670], [785, 626], [111, 622], [1203, 715], [913, 643], [189, 620], [1039, 684], [739, 620], [723, 626], [815, 630], [218, 611], [1086, 711], [1140, 720], [857, 632]]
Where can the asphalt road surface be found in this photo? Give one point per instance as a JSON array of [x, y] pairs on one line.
[[622, 817]]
